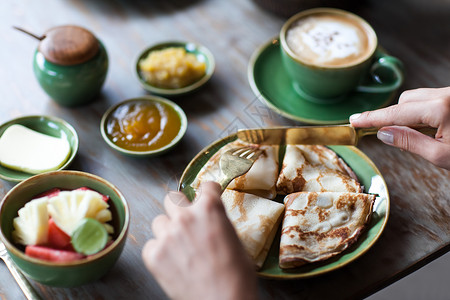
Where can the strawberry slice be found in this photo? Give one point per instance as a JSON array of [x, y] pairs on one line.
[[50, 193], [57, 238], [85, 188], [50, 254]]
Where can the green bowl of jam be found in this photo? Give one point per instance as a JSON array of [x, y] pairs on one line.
[[144, 126]]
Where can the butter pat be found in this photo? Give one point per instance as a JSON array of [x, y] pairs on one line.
[[32, 152]]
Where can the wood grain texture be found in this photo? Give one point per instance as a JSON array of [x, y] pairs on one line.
[[68, 45], [415, 31]]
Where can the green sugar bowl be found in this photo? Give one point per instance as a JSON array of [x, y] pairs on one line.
[[70, 64]]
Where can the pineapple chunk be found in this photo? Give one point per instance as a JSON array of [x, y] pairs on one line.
[[69, 207], [31, 226]]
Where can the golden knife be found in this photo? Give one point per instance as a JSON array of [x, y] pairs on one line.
[[311, 135]]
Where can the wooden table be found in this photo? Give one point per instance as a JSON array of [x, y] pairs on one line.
[[415, 31]]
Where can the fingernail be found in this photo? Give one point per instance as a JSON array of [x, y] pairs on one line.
[[354, 117], [177, 198], [386, 136]]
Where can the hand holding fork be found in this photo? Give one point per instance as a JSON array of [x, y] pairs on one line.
[[236, 162]]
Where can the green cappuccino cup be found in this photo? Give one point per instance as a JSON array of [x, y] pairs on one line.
[[329, 53]]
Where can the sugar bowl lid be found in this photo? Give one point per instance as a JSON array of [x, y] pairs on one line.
[[68, 45]]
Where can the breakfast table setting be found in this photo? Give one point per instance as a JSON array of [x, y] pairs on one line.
[[85, 102]]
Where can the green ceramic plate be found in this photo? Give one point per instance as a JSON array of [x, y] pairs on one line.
[[202, 54], [369, 176], [272, 85], [47, 125]]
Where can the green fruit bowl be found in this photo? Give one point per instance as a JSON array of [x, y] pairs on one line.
[[64, 274]]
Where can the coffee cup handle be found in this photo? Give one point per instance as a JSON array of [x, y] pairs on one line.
[[384, 66]]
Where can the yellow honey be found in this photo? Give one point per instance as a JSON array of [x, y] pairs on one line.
[[143, 126]]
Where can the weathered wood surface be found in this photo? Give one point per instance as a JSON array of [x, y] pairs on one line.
[[415, 31]]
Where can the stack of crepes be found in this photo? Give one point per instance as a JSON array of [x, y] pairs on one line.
[[324, 209]]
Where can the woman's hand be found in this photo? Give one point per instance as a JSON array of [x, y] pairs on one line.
[[415, 108], [196, 253]]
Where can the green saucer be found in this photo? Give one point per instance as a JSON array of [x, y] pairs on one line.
[[272, 85]]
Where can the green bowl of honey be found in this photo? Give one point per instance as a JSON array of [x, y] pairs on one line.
[[144, 126]]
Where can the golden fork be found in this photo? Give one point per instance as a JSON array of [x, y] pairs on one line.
[[21, 280], [236, 162]]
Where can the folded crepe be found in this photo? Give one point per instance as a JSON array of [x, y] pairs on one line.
[[317, 226], [255, 220], [313, 168], [259, 180]]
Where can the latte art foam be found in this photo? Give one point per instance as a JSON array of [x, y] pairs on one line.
[[328, 40]]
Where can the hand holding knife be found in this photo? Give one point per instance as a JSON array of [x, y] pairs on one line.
[[312, 135]]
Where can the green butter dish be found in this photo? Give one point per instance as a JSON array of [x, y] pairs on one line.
[[47, 125]]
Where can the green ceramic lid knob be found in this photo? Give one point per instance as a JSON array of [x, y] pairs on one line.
[[68, 45], [90, 237]]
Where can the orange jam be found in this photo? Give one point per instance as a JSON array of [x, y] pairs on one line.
[[143, 125]]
